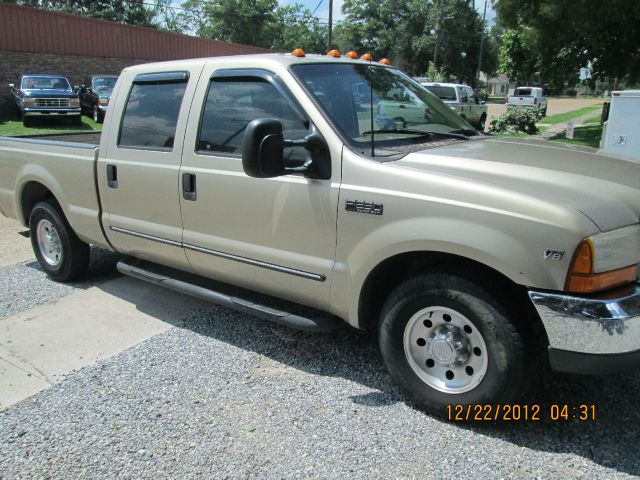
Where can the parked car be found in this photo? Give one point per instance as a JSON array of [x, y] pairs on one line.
[[45, 95], [473, 259], [528, 97], [621, 131], [95, 94], [402, 109], [463, 100]]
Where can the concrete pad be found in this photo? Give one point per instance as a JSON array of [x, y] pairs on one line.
[[14, 248], [39, 346]]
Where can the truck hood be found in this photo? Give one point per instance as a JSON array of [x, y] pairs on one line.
[[605, 189]]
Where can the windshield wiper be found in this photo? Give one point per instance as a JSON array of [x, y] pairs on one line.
[[400, 130], [465, 131]]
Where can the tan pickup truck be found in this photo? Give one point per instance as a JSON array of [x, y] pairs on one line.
[[474, 259]]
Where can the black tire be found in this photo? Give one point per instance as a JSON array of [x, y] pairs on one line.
[[77, 120], [74, 258], [26, 121], [482, 123], [543, 112], [400, 122], [505, 368], [96, 115]]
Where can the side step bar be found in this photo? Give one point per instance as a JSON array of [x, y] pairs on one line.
[[321, 324]]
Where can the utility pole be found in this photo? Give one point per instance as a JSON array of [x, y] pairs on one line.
[[484, 16], [330, 25], [436, 31]]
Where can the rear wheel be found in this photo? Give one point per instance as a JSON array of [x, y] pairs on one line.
[[60, 252], [445, 340], [482, 123], [400, 122]]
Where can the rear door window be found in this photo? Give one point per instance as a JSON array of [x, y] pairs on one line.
[[151, 114]]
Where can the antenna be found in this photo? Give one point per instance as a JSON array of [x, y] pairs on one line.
[[373, 153]]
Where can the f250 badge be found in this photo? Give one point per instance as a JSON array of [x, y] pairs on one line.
[[553, 254], [363, 207]]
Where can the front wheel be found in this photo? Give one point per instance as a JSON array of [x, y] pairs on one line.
[[96, 114], [60, 252], [445, 340]]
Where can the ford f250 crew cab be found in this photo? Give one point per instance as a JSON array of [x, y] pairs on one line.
[[474, 259]]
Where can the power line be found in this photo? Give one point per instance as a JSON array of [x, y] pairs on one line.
[[317, 6]]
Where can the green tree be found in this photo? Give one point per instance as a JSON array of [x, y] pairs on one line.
[[133, 12], [416, 31], [560, 36]]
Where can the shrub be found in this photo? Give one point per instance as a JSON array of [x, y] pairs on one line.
[[516, 120]]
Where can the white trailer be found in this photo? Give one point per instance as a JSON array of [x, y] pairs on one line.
[[621, 133]]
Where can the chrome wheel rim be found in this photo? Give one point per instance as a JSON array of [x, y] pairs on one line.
[[49, 243], [445, 349]]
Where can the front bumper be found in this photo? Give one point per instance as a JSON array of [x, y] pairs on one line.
[[35, 111], [592, 335]]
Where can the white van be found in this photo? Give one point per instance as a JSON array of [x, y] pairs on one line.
[[621, 133]]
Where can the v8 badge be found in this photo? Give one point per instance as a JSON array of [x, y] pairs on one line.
[[556, 255]]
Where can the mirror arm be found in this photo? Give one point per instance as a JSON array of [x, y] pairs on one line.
[[301, 169]]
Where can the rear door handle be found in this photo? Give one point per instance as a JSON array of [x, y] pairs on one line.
[[189, 186], [112, 176]]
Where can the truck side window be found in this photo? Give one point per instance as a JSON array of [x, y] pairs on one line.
[[151, 114], [463, 95], [232, 103]]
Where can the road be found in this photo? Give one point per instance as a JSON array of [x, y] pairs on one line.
[[556, 105], [114, 377]]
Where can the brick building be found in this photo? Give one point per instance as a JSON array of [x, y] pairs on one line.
[[42, 41]]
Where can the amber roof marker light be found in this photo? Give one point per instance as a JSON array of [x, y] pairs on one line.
[[334, 53], [384, 61], [367, 56], [298, 52], [352, 54]]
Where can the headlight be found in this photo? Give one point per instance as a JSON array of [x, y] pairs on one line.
[[103, 101], [74, 102], [605, 260], [28, 102]]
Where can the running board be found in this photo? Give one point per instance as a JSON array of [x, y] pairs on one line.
[[136, 269]]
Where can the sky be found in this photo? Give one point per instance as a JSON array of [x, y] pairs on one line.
[[323, 10]]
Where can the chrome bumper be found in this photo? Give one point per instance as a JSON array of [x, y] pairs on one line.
[[605, 324]]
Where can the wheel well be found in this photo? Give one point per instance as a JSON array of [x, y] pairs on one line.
[[385, 277], [32, 193]]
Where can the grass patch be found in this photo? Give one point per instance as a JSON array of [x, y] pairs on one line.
[[43, 126], [516, 134], [565, 117], [586, 136], [593, 120]]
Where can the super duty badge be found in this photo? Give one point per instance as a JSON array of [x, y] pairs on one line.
[[363, 207]]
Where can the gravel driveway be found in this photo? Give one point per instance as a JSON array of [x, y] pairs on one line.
[[226, 395]]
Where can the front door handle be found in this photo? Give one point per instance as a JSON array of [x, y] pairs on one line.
[[112, 176], [189, 186]]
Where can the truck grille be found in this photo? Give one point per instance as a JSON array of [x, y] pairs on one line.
[[52, 102]]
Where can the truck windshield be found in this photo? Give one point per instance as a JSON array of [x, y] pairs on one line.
[[361, 99], [45, 83], [104, 84], [443, 93]]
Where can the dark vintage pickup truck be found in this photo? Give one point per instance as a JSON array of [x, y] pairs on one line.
[[95, 94], [45, 95]]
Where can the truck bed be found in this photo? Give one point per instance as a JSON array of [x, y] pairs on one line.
[[66, 164]]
